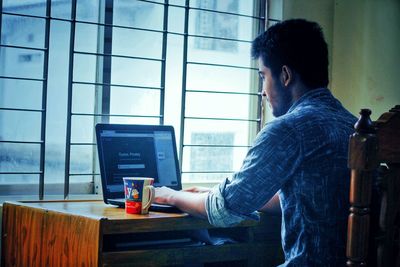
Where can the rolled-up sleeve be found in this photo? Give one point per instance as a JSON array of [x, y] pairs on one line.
[[268, 164], [218, 213]]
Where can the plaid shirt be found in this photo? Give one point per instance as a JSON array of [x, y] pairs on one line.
[[302, 155]]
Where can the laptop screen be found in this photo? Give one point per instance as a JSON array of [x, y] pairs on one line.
[[136, 150]]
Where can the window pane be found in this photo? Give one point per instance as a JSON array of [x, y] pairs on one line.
[[134, 120], [82, 159], [19, 125], [9, 179], [86, 37], [243, 7], [87, 10], [55, 164], [19, 157], [23, 31], [10, 90], [82, 129], [22, 63], [57, 93], [85, 68], [177, 2], [61, 9], [238, 57], [35, 7], [212, 159], [83, 98], [176, 15], [220, 79], [208, 23], [137, 43], [138, 14], [136, 72], [211, 105], [131, 101], [241, 131]]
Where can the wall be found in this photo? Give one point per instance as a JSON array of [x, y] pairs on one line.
[[362, 36], [366, 54]]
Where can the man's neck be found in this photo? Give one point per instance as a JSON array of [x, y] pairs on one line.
[[299, 89]]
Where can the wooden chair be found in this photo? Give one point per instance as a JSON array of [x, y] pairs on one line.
[[373, 237]]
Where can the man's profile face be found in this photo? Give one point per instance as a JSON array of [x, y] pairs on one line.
[[277, 95]]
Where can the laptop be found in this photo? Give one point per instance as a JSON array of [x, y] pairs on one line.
[[137, 150]]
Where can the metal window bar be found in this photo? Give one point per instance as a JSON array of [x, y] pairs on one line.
[[221, 65], [119, 85], [21, 142], [117, 56], [6, 173], [114, 115], [22, 109], [84, 174], [211, 145], [164, 62], [184, 76], [221, 119], [44, 99], [208, 171], [24, 47], [261, 27], [106, 70], [219, 38], [1, 18], [21, 78], [223, 92], [69, 101], [83, 144]]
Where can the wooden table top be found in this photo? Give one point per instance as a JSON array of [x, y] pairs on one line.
[[94, 209], [115, 220]]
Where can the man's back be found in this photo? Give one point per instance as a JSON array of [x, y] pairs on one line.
[[315, 199]]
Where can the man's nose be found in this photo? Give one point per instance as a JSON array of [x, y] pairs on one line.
[[263, 93]]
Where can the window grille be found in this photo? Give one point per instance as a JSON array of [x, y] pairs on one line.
[[67, 65]]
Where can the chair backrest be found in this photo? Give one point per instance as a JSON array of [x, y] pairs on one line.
[[373, 237]]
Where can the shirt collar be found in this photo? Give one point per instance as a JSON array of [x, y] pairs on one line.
[[314, 93]]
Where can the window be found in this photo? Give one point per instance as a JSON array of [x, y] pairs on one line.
[[67, 65]]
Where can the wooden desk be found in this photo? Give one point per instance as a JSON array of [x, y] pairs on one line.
[[82, 233]]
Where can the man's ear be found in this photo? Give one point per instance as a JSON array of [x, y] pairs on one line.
[[286, 75]]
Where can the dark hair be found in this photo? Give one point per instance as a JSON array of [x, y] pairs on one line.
[[300, 45]]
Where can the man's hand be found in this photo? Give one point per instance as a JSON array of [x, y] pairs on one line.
[[192, 203], [164, 195]]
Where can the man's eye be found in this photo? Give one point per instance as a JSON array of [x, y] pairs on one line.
[[262, 77]]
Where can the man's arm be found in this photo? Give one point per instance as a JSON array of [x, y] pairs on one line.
[[192, 203]]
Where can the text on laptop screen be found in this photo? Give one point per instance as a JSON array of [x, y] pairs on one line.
[[140, 154]]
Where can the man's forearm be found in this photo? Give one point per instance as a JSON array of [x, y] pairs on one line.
[[192, 203]]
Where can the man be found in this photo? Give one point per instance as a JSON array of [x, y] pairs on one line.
[[301, 155]]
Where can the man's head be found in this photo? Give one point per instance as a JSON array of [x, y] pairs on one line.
[[291, 51]]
